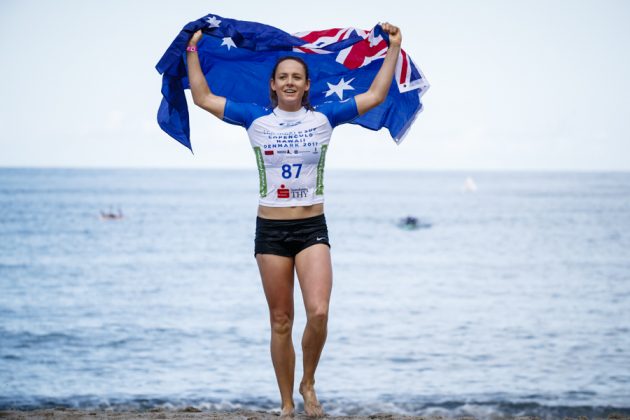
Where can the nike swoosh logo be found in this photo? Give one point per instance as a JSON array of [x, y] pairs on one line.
[[319, 239]]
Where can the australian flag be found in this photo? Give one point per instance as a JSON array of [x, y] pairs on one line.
[[237, 58]]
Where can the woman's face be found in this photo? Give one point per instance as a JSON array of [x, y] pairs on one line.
[[290, 84]]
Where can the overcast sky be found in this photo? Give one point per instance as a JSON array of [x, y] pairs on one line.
[[515, 85]]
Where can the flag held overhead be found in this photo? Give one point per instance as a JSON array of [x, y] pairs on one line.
[[237, 58]]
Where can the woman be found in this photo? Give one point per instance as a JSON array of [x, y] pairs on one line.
[[290, 142]]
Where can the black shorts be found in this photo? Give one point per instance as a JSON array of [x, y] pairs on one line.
[[288, 237]]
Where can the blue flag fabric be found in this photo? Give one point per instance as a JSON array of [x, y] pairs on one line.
[[237, 58]]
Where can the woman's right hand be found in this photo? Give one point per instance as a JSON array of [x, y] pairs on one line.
[[195, 38], [201, 93]]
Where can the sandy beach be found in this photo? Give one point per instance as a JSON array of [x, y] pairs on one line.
[[190, 413], [193, 413]]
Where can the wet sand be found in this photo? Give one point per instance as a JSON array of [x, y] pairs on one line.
[[193, 413]]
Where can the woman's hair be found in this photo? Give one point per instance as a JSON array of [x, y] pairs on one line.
[[274, 96]]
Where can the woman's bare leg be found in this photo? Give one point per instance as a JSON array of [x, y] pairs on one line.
[[276, 273], [314, 270]]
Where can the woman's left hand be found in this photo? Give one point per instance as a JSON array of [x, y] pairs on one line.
[[395, 36]]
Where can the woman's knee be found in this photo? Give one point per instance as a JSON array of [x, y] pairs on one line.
[[281, 321], [318, 316]]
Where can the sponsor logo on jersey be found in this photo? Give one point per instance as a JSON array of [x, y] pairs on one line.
[[290, 123], [283, 192], [299, 192]]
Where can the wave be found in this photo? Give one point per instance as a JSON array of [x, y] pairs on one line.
[[449, 408]]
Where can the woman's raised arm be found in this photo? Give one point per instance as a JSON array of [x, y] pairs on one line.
[[377, 92], [201, 93]]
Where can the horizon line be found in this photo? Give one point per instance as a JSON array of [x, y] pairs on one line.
[[184, 168]]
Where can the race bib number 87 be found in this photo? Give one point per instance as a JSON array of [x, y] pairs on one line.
[[289, 170]]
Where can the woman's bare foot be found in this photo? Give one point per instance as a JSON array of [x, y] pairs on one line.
[[287, 412], [312, 407]]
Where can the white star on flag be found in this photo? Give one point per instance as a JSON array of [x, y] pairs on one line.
[[213, 22], [227, 41], [339, 88]]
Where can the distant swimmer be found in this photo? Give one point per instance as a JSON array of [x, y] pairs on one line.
[[110, 215], [412, 223]]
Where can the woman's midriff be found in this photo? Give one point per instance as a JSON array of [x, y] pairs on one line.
[[289, 213]]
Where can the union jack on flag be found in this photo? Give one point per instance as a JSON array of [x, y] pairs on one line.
[[237, 58], [362, 53]]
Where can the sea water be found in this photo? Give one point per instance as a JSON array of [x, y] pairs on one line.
[[511, 299]]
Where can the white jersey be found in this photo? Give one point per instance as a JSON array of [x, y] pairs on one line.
[[290, 148]]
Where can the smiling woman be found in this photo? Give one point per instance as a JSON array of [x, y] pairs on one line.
[[292, 82], [290, 141]]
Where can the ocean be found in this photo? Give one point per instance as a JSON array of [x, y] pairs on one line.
[[513, 299]]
